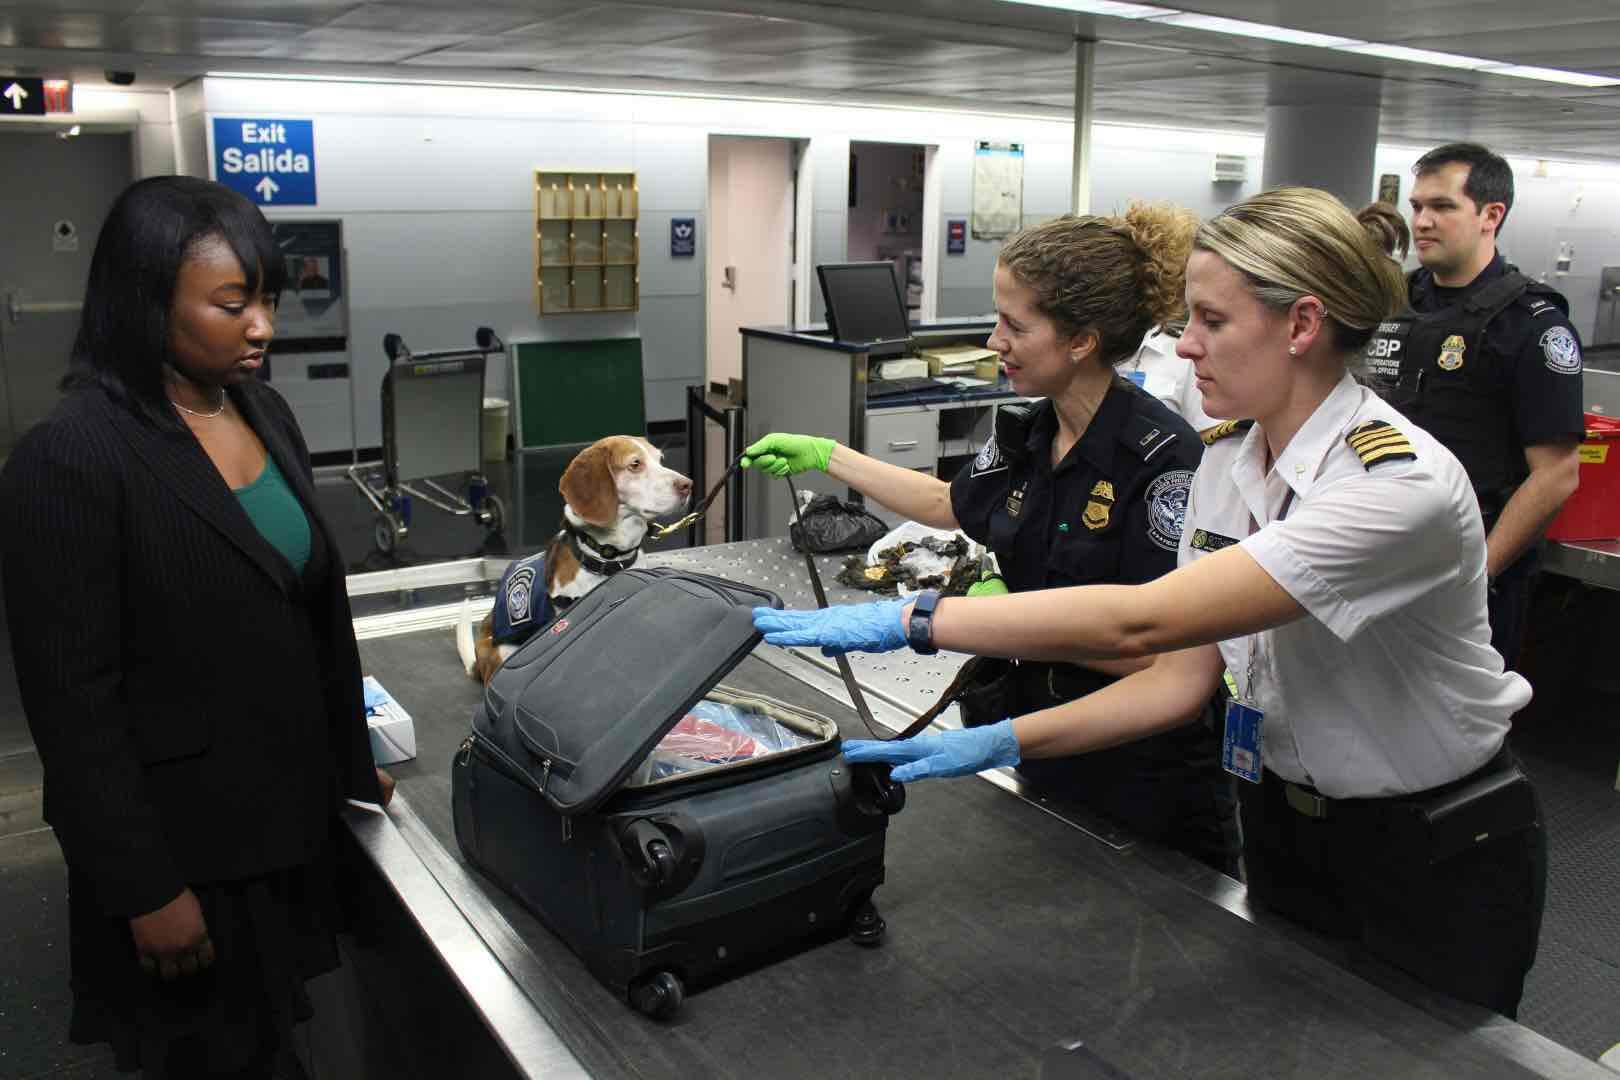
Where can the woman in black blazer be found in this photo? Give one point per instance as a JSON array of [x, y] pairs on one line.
[[184, 647]]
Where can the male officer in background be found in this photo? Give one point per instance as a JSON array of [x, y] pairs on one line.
[[1487, 361]]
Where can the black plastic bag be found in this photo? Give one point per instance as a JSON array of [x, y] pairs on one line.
[[830, 525]]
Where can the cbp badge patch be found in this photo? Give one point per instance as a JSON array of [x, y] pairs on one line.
[[1451, 352], [1167, 507], [519, 589], [989, 459], [1561, 350]]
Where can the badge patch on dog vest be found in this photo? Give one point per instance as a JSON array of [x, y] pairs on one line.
[[1376, 441], [521, 603], [1451, 352]]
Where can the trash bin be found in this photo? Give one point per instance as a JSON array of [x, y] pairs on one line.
[[497, 421]]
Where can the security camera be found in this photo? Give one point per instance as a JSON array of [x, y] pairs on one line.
[[120, 78]]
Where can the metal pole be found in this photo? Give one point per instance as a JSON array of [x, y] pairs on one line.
[[695, 452], [1085, 85], [734, 492]]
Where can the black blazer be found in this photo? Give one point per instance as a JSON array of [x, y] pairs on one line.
[[196, 705]]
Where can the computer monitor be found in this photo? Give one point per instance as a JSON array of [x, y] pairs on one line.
[[864, 305]]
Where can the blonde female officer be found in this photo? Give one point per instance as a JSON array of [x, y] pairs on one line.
[[1333, 560]]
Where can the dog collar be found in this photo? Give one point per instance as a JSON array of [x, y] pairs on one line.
[[601, 558]]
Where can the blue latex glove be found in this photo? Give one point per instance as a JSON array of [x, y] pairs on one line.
[[845, 628], [948, 753]]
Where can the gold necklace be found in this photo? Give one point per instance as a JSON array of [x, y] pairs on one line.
[[204, 415]]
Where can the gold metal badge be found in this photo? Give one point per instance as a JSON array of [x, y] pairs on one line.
[[1015, 500], [1099, 506], [1451, 352]]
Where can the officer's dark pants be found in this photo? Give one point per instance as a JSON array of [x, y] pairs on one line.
[[1509, 606], [1467, 925], [1168, 788]]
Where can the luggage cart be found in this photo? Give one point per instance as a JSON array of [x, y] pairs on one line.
[[432, 423]]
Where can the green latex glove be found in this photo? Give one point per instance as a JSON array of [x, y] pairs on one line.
[[780, 454], [989, 585]]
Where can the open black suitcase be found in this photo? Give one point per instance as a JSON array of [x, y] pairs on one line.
[[659, 883]]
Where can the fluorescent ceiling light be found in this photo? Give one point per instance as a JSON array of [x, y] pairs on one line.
[[1220, 25], [1417, 56], [1103, 7], [1553, 75]]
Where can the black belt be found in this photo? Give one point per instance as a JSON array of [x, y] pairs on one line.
[[1309, 802]]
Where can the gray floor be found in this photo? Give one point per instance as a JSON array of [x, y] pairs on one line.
[[1569, 741]]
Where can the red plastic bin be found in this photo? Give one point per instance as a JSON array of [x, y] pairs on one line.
[[1593, 512]]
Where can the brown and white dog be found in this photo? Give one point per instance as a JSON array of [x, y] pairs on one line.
[[611, 491]]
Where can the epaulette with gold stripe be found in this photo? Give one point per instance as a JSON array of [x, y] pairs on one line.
[[1377, 441], [1212, 435]]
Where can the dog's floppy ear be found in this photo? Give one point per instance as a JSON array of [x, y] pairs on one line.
[[587, 485]]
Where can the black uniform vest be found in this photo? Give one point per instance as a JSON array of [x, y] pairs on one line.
[[1431, 366]]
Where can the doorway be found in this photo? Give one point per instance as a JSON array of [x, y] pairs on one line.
[[888, 188], [55, 192], [749, 262]]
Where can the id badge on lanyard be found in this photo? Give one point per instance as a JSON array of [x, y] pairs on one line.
[[1243, 744]]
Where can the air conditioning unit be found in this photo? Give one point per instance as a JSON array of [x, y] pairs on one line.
[[1230, 169]]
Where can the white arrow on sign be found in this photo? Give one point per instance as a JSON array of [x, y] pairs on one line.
[[16, 93], [267, 189]]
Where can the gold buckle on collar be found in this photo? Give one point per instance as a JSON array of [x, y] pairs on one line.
[[1312, 806]]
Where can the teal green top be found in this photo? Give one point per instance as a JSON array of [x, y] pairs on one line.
[[278, 515]]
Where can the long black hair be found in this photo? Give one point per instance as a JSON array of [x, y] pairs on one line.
[[154, 226]]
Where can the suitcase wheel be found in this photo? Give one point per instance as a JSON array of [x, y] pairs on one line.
[[658, 995], [866, 926]]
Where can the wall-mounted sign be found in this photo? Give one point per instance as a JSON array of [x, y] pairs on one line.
[[312, 316], [998, 189], [682, 237], [956, 236], [272, 162], [22, 97]]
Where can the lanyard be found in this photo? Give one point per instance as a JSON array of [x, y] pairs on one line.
[[1256, 638]]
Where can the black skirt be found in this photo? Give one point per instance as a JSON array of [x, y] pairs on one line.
[[270, 934]]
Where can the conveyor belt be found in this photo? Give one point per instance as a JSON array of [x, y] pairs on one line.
[[1018, 946]]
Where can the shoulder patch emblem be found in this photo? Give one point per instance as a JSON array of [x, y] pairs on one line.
[[1167, 507], [1451, 352], [989, 459], [1211, 435], [1376, 441], [1561, 351], [1204, 540]]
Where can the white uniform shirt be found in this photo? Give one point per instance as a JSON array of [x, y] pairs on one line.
[[1169, 378], [1389, 683]]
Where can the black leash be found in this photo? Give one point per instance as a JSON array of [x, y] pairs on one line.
[[958, 684], [658, 532]]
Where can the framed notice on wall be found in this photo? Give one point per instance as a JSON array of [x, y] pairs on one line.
[[312, 315], [998, 189]]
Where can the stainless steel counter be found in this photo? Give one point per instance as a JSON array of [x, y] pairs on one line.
[[1019, 944], [1596, 562]]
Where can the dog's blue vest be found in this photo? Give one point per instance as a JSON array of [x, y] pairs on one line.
[[521, 603]]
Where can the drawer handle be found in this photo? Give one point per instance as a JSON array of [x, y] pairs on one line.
[[904, 444]]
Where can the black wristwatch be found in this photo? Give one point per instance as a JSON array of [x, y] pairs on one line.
[[920, 627]]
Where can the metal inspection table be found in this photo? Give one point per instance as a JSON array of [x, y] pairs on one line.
[[1024, 939]]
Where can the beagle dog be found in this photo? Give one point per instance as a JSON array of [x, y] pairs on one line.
[[611, 491]]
